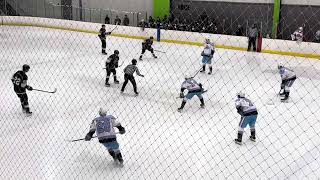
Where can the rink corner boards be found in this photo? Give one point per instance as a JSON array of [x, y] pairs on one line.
[[283, 53]]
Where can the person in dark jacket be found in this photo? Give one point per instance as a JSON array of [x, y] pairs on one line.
[[126, 21], [19, 80]]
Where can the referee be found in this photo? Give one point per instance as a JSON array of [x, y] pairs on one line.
[[128, 76]]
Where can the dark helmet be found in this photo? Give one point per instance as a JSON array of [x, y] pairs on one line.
[[280, 66], [103, 25], [25, 67], [151, 37], [116, 52], [134, 61]]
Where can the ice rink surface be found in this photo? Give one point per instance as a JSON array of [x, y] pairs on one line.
[[160, 143]]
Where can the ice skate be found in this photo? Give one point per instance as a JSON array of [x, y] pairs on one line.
[[252, 138], [107, 85], [28, 114], [237, 141], [116, 82]]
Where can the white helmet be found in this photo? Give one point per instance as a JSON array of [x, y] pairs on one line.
[[102, 112], [187, 76], [300, 28], [241, 94]]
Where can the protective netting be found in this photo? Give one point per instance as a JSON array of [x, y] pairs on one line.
[[61, 46]]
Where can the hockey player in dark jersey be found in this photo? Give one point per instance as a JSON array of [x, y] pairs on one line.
[[102, 35], [111, 65], [19, 80], [128, 76], [147, 45]]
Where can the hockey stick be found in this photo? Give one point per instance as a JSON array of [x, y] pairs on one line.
[[113, 29], [55, 90], [196, 73], [118, 66], [81, 139], [121, 64], [201, 93], [159, 51]]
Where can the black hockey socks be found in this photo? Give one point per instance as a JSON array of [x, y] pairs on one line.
[[182, 105], [286, 96], [203, 68], [107, 82], [239, 139], [202, 102], [112, 154], [210, 72], [115, 80], [119, 157], [253, 135]]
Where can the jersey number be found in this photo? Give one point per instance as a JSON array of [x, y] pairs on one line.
[[16, 81], [103, 126]]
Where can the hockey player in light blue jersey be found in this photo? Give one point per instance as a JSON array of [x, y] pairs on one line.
[[193, 88], [287, 79], [249, 113], [207, 55], [103, 126]]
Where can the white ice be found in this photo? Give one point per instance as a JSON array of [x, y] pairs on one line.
[[160, 142]]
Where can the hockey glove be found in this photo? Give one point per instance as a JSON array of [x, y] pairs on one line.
[[240, 111], [29, 88], [181, 95], [121, 129], [88, 137]]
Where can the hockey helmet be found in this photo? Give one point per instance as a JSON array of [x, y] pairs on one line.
[[151, 37], [280, 66], [134, 61], [25, 67], [240, 94], [207, 41], [116, 52], [102, 112], [300, 28], [187, 76], [103, 25]]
